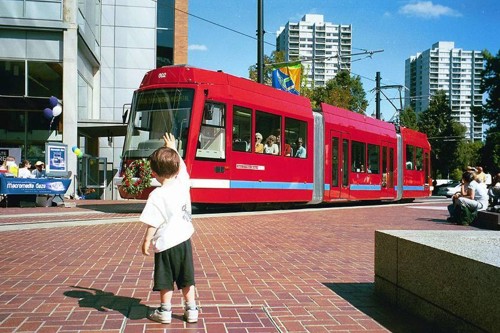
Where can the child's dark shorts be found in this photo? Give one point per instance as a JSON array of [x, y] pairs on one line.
[[174, 265]]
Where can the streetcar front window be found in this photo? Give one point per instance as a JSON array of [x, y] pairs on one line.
[[153, 113]]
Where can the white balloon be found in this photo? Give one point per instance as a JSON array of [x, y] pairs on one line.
[[57, 110]]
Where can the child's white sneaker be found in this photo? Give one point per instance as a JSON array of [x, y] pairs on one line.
[[191, 315], [164, 317]]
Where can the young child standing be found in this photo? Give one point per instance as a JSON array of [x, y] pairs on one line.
[[167, 214]]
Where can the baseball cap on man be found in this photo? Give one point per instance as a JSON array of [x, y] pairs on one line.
[[38, 163]]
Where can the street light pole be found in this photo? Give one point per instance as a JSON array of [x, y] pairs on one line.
[[260, 41]]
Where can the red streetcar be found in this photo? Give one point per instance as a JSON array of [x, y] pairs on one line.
[[247, 143]]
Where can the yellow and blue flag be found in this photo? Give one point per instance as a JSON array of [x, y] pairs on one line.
[[287, 78]]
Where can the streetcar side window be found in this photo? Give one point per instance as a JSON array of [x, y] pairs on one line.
[[358, 156], [212, 138], [410, 157], [419, 159], [242, 128], [295, 130], [373, 159], [269, 126]]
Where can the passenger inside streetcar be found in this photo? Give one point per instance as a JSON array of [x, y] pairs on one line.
[[301, 151], [271, 147], [287, 149], [259, 146]]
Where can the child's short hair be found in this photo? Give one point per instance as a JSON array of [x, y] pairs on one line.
[[165, 162]]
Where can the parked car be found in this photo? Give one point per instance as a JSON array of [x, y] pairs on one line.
[[451, 190], [442, 189]]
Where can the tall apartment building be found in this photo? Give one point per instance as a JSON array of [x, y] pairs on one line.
[[457, 72], [92, 55], [324, 48]]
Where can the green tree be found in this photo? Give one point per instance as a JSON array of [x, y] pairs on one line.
[[343, 91], [408, 118], [489, 112], [444, 133], [490, 153], [468, 153], [274, 58]]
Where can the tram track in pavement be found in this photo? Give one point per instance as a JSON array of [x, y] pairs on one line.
[[27, 221]]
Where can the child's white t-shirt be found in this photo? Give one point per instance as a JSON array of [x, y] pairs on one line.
[[168, 209]]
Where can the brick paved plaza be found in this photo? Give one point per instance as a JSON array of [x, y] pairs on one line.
[[311, 270]]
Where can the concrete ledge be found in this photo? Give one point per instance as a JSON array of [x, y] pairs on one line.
[[487, 220], [450, 278]]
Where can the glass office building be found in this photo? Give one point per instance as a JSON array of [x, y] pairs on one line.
[[91, 55]]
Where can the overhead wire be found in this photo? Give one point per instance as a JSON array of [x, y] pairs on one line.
[[274, 45], [222, 26]]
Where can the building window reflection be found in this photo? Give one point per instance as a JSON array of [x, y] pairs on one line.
[[12, 74], [165, 33], [44, 78]]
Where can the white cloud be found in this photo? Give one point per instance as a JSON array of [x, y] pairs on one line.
[[197, 47], [426, 9]]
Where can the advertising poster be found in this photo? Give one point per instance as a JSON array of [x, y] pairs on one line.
[[56, 159], [14, 152]]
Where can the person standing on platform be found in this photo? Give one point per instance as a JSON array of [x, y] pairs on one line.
[[39, 171], [24, 170], [167, 214], [11, 166]]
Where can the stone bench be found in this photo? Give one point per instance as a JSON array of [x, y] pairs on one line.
[[487, 220], [450, 278]]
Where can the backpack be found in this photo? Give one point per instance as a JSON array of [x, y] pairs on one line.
[[464, 215]]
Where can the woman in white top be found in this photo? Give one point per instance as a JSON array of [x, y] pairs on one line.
[[271, 147], [24, 170], [472, 195]]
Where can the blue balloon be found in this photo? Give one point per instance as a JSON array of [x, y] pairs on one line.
[[53, 101], [74, 148], [47, 113]]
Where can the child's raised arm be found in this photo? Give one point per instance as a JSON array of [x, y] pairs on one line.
[[169, 140]]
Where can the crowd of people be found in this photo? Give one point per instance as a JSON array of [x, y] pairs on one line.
[[23, 170], [272, 145], [478, 191]]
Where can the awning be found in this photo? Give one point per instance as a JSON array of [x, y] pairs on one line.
[[97, 129], [20, 103], [88, 128]]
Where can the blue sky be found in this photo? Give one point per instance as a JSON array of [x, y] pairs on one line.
[[400, 28]]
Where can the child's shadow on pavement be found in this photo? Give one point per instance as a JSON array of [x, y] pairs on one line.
[[102, 301]]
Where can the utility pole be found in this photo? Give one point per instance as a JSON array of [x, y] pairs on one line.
[[377, 95], [260, 41]]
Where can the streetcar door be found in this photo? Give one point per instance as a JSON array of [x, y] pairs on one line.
[[344, 171], [388, 168], [336, 165]]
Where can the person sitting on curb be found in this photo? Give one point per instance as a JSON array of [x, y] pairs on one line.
[[471, 199]]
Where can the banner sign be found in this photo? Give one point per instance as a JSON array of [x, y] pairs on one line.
[[56, 159], [287, 78], [13, 185]]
